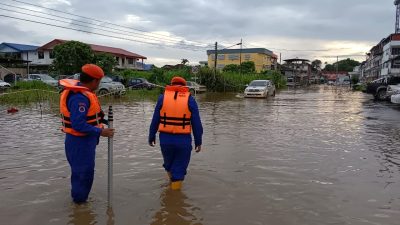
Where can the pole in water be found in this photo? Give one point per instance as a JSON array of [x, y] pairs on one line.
[[110, 158]]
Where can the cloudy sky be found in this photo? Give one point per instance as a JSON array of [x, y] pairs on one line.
[[167, 31]]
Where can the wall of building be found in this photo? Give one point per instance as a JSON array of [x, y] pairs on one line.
[[261, 61]]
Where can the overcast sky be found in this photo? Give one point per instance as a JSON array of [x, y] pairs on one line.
[[187, 28]]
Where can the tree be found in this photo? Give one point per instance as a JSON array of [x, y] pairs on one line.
[[316, 64], [106, 61], [248, 67], [184, 61], [71, 56], [346, 65], [231, 68]]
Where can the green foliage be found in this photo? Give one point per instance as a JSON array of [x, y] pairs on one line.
[[71, 56], [354, 79], [231, 68], [106, 61], [184, 61], [234, 81], [343, 65], [248, 67], [316, 64], [26, 85]]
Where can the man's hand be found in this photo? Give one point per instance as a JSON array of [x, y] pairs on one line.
[[107, 132], [152, 143], [197, 148]]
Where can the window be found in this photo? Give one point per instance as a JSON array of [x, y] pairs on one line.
[[221, 57], [247, 56], [395, 51], [212, 57], [233, 57], [123, 61], [220, 66], [51, 53], [130, 61], [40, 55], [117, 58]]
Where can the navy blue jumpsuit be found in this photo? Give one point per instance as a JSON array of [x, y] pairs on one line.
[[81, 151], [176, 148]]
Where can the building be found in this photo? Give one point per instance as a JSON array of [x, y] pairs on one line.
[[383, 59], [297, 71], [125, 59], [23, 59], [263, 59]]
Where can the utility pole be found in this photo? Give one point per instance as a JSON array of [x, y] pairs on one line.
[[337, 66], [215, 59], [240, 58]]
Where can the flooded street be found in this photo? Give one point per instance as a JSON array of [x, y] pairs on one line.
[[305, 157]]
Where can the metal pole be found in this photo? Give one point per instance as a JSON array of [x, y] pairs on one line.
[[240, 58], [215, 59], [110, 158]]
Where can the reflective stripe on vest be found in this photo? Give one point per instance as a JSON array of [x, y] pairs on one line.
[[94, 115], [175, 115]]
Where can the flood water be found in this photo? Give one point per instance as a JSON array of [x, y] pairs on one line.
[[306, 157]]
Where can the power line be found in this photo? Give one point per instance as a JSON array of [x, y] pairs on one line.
[[92, 27], [101, 27], [96, 33], [93, 19]]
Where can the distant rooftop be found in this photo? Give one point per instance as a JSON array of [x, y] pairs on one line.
[[244, 50], [21, 47], [296, 59]]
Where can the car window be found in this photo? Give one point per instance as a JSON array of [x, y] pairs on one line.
[[258, 83], [46, 77], [395, 80], [188, 83], [106, 80]]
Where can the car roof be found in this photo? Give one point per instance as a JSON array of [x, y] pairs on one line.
[[260, 80]]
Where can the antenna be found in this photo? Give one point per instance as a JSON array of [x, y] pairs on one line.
[[397, 4]]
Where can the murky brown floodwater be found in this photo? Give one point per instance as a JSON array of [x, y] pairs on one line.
[[321, 156]]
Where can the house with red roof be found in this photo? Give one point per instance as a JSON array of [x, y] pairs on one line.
[[125, 59]]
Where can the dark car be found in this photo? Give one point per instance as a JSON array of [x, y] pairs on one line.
[[378, 87], [140, 83]]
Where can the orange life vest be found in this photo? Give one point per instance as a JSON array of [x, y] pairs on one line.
[[94, 115], [175, 114]]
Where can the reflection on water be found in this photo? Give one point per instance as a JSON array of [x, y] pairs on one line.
[[175, 210], [82, 214], [314, 157]]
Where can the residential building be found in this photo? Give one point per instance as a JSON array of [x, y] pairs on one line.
[[297, 71], [125, 59], [15, 59], [382, 60], [263, 59]]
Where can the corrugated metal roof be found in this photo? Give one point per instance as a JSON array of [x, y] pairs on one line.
[[245, 50], [21, 47]]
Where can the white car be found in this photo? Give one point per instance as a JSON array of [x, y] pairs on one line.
[[4, 85], [44, 78], [394, 92], [107, 86], [260, 89]]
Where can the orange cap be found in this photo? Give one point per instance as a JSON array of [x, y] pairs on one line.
[[93, 71], [178, 81]]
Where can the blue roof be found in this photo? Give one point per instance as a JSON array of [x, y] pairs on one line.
[[21, 47]]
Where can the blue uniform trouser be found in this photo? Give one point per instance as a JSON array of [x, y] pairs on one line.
[[176, 150], [80, 152]]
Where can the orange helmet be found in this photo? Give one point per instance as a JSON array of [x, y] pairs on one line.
[[93, 71], [178, 81]]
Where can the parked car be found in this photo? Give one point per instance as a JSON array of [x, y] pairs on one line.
[[45, 78], [260, 89], [140, 83], [4, 85], [378, 87], [195, 87], [107, 85], [394, 92]]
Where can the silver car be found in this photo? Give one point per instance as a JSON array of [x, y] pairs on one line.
[[4, 85], [43, 78], [260, 89], [107, 86]]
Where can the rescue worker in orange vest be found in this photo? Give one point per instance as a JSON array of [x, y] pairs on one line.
[[175, 116], [82, 121]]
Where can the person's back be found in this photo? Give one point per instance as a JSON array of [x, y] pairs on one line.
[[176, 115]]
